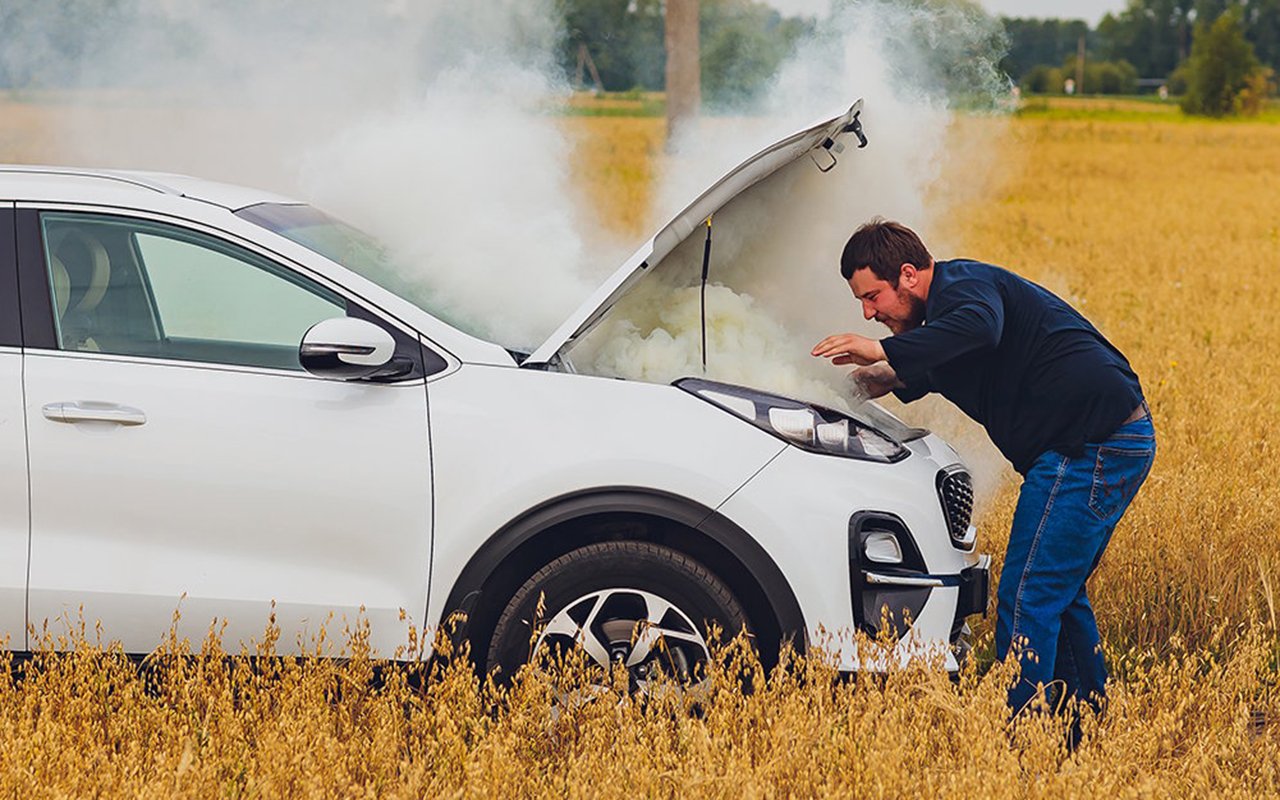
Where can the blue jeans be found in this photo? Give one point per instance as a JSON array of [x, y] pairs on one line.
[[1066, 512]]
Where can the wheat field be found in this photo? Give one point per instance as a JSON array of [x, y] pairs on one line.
[[1166, 232]]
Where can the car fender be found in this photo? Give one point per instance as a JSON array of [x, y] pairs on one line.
[[727, 547]]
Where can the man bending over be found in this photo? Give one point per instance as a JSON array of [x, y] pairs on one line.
[[1058, 400]]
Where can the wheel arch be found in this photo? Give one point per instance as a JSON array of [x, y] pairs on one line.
[[523, 546]]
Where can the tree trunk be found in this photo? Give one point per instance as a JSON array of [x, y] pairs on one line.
[[684, 77]]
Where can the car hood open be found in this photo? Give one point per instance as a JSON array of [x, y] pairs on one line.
[[824, 136]]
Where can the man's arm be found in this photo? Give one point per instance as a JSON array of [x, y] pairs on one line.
[[849, 348], [910, 392], [874, 381], [972, 319], [877, 380]]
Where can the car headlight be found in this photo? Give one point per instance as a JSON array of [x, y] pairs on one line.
[[808, 426]]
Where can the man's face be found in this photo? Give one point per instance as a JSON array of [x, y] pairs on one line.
[[896, 307]]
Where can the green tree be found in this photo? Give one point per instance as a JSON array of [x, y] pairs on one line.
[[1041, 42], [954, 46], [1262, 26], [624, 38], [1104, 77], [1153, 35], [1157, 35], [1220, 67], [743, 44], [1042, 79]]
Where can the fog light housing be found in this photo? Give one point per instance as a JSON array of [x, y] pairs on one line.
[[881, 547]]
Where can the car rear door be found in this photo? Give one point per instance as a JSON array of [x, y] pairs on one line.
[[180, 457], [14, 527]]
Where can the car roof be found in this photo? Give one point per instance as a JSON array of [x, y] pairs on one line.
[[24, 182]]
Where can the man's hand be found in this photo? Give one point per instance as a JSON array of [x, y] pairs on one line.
[[875, 381], [850, 348]]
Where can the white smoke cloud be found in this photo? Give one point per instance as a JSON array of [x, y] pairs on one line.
[[427, 123], [781, 243], [468, 187], [775, 284]]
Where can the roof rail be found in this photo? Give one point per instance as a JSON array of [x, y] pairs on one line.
[[107, 175]]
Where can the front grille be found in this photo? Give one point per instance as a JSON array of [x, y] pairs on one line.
[[955, 491]]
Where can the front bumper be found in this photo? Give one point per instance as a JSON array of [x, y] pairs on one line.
[[889, 598], [975, 589], [797, 504], [974, 584]]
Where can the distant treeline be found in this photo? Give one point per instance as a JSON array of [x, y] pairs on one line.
[[1149, 39], [743, 43], [63, 43], [52, 43]]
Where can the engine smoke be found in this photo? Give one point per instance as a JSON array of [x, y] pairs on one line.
[[427, 124], [776, 288]]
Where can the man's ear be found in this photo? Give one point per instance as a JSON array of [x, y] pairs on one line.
[[908, 275]]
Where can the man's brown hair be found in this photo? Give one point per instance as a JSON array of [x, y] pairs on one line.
[[884, 246]]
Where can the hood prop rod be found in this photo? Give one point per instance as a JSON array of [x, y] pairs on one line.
[[706, 265]]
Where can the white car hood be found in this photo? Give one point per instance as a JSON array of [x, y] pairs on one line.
[[825, 135]]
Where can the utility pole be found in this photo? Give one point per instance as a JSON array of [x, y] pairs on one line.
[[1080, 66], [684, 75]]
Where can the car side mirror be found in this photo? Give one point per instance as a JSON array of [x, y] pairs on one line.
[[346, 348]]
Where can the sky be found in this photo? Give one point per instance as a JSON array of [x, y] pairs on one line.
[[1088, 10]]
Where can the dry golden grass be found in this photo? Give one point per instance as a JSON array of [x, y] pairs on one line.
[[613, 165], [1167, 233], [1169, 238], [92, 723]]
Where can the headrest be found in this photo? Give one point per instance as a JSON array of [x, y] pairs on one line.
[[86, 267]]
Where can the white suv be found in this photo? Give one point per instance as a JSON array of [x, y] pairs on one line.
[[215, 399]]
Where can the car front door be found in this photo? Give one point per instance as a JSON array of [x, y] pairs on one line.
[[180, 457], [14, 519]]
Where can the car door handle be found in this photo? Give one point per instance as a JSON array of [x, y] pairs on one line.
[[90, 411]]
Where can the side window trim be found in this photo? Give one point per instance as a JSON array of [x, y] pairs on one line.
[[36, 300], [10, 306], [147, 288], [38, 331]]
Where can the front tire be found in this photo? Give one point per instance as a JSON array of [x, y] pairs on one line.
[[638, 604]]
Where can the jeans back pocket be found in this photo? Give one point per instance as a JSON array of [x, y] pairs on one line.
[[1117, 474]]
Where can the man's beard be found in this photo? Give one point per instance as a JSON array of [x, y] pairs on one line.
[[914, 317]]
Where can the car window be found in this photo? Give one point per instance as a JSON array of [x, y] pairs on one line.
[[358, 252], [135, 287]]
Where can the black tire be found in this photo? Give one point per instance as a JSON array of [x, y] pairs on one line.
[[701, 597]]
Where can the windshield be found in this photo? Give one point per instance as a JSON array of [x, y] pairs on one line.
[[346, 245]]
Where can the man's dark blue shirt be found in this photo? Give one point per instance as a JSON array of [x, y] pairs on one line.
[[1017, 359]]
